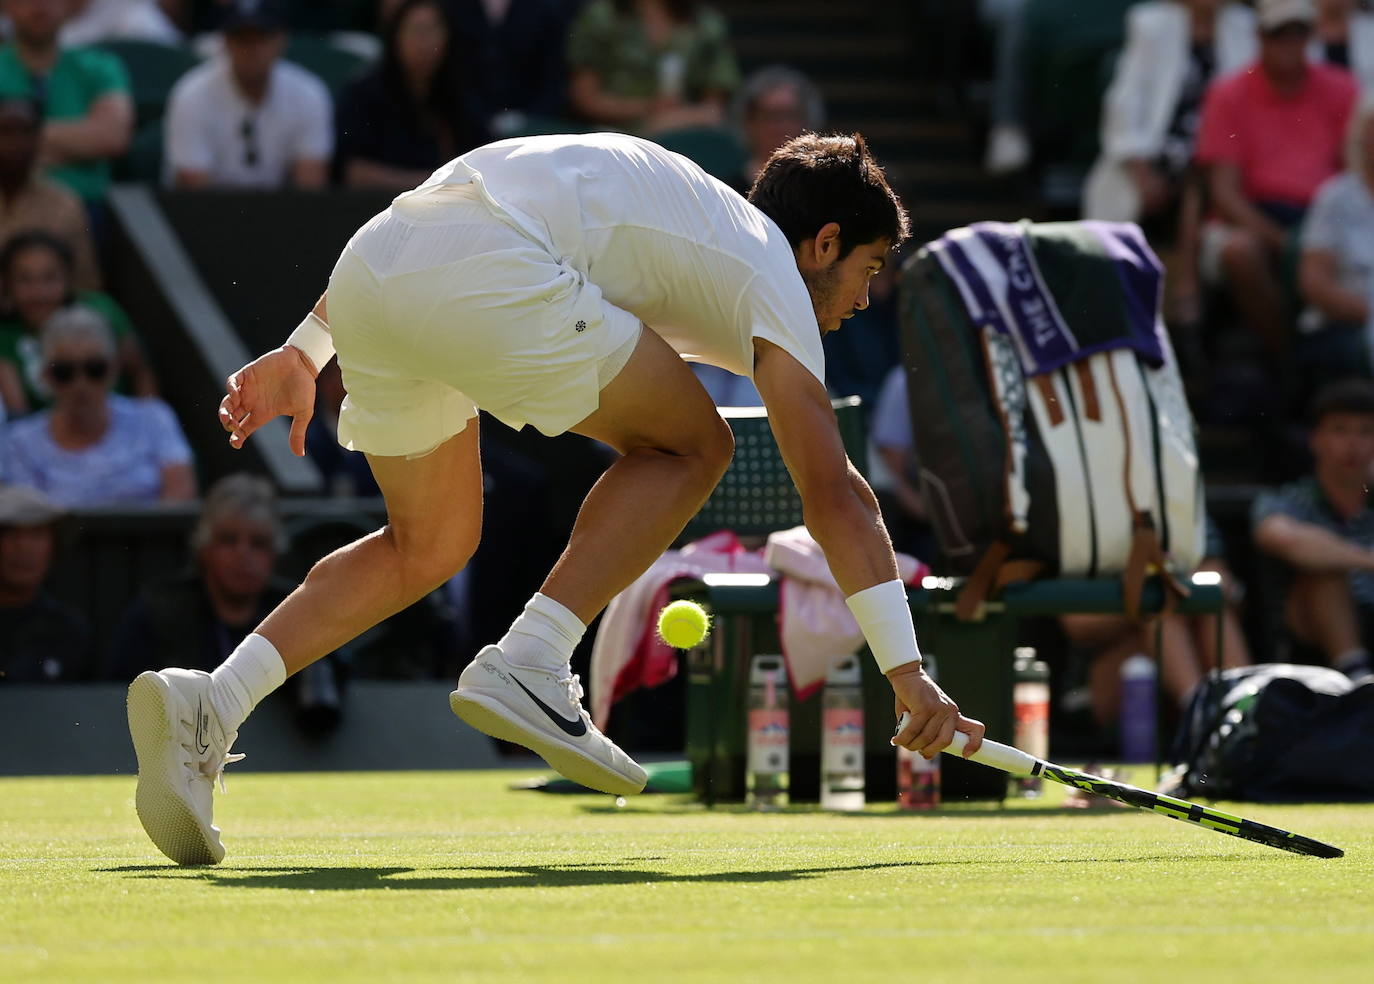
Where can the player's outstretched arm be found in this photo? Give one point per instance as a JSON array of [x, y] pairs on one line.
[[842, 514], [280, 383]]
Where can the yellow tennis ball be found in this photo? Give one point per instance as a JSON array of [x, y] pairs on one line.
[[683, 624]]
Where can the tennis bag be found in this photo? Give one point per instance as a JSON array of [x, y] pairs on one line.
[[1277, 732], [1050, 423]]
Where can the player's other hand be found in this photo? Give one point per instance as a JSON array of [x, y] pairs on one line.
[[280, 383], [934, 717]]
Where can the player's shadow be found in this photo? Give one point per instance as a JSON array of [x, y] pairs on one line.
[[303, 878]]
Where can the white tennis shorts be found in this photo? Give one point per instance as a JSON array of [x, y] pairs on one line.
[[438, 306]]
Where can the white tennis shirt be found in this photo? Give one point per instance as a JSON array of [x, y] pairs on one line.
[[661, 238]]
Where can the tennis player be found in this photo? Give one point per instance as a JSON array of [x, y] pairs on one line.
[[559, 282]]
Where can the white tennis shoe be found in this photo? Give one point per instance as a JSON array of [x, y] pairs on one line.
[[182, 750], [542, 710]]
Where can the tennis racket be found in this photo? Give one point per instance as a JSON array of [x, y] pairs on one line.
[[1018, 763]]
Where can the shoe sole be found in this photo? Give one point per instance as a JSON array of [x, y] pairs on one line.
[[168, 820], [489, 716]]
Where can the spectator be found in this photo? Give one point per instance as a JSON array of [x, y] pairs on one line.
[[246, 118], [1344, 36], [774, 105], [30, 201], [897, 483], [95, 447], [1009, 147], [40, 638], [1188, 650], [197, 617], [404, 118], [1337, 267], [1151, 110], [1321, 528], [93, 21], [515, 58], [650, 65], [36, 281], [88, 115], [1270, 135]]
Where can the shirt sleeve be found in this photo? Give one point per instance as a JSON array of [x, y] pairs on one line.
[[1218, 141], [186, 141], [892, 415], [316, 139], [1285, 501], [1321, 228], [590, 35], [104, 74], [714, 66], [168, 443]]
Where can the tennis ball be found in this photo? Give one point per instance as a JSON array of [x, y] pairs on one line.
[[683, 624]]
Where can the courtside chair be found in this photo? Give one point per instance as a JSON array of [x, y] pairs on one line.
[[756, 496], [153, 69]]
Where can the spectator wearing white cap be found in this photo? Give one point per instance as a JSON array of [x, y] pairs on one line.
[[41, 639]]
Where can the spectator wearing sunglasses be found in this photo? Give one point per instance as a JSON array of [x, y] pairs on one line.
[[247, 118], [37, 279], [95, 447]]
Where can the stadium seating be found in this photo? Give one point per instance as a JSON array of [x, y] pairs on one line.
[[153, 69]]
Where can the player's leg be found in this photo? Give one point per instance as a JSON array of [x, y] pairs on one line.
[[674, 448], [184, 722]]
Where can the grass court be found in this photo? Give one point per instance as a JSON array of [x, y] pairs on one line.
[[415, 877]]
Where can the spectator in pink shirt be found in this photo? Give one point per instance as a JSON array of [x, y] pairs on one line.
[[1271, 134]]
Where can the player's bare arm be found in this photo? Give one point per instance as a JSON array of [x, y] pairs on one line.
[[842, 514], [282, 382]]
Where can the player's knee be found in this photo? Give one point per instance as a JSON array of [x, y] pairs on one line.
[[431, 557], [717, 448]]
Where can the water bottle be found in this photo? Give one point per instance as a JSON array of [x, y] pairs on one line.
[[1137, 719], [842, 736], [918, 780], [766, 768], [1031, 702]]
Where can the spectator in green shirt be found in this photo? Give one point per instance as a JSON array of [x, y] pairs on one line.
[[87, 111], [651, 65], [36, 271]]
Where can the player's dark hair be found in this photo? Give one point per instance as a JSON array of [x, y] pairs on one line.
[[1347, 396], [815, 179]]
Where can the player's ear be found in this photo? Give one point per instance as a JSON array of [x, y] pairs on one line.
[[827, 244]]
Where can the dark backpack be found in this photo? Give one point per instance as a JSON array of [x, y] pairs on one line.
[[1277, 732]]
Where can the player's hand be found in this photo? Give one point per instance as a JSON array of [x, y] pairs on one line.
[[934, 717], [282, 382]]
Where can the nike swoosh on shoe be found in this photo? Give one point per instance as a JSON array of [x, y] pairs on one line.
[[574, 729]]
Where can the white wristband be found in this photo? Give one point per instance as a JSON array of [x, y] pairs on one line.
[[313, 339], [885, 618]]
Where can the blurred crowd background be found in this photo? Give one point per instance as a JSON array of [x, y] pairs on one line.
[[1237, 134]]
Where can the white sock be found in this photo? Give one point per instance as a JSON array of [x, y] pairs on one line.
[[543, 636], [251, 672]]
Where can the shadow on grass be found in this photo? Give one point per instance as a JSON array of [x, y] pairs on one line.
[[306, 878]]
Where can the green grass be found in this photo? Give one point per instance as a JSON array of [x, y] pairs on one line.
[[452, 877]]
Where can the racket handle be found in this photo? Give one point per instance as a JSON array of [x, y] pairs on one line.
[[991, 753]]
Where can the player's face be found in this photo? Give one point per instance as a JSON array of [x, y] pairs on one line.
[[1343, 446], [839, 287]]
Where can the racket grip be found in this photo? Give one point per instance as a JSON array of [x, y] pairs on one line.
[[991, 753]]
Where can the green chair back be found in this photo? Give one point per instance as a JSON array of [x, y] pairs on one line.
[[756, 496], [335, 66], [716, 149], [153, 69]]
